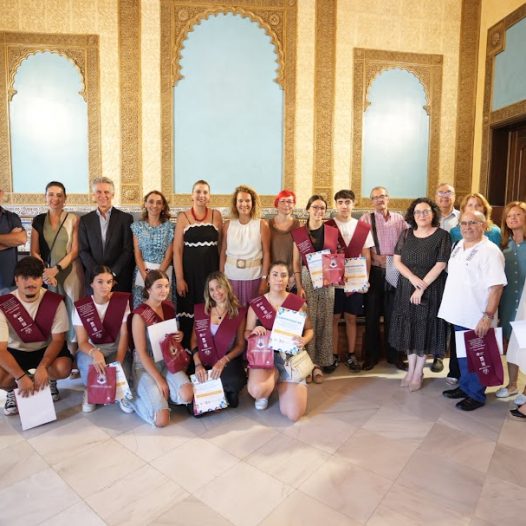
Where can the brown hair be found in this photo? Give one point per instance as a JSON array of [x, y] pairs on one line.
[[486, 207], [231, 299], [505, 230], [256, 205], [151, 278], [165, 212]]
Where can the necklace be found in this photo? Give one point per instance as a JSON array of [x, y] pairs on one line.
[[199, 219], [220, 316]]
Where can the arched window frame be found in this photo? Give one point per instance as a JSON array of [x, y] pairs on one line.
[[83, 52], [278, 19], [427, 68]]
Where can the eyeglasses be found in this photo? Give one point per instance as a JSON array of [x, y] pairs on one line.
[[286, 201], [445, 194], [470, 223], [376, 197], [425, 212], [319, 208]]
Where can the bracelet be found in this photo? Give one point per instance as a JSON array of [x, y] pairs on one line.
[[195, 350], [263, 277], [199, 365], [487, 316], [59, 267], [20, 377], [226, 358]]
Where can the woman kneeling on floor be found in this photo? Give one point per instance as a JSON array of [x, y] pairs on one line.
[[154, 384], [102, 334], [261, 382], [217, 338]]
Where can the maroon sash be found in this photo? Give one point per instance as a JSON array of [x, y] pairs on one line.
[[303, 242], [106, 331], [355, 246], [29, 330], [150, 317], [266, 313], [213, 348]]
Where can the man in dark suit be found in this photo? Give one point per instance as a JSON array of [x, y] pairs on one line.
[[105, 237]]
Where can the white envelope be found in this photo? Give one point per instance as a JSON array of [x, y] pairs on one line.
[[152, 266], [157, 333], [37, 409]]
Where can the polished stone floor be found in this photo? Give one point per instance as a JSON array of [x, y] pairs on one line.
[[368, 452]]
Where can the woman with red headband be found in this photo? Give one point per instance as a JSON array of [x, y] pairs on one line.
[[281, 225]]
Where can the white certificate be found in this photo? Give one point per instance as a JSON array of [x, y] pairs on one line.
[[152, 266], [209, 395], [314, 262], [122, 387], [36, 409], [355, 274], [157, 333], [461, 342], [287, 326]]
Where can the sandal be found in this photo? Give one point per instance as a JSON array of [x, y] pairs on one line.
[[317, 375]]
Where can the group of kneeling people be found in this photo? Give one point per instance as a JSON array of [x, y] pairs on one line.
[[33, 323]]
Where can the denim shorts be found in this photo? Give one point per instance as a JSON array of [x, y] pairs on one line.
[[149, 399], [284, 376]]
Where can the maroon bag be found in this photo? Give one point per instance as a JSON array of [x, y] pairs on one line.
[[174, 355], [259, 353], [102, 387], [484, 358]]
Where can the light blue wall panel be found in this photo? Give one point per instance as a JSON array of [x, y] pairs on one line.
[[228, 110], [49, 125], [509, 84], [396, 136]]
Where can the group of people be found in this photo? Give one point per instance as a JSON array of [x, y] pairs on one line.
[[93, 285]]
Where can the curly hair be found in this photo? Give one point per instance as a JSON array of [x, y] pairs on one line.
[[256, 204], [165, 212], [410, 214], [506, 231], [231, 299]]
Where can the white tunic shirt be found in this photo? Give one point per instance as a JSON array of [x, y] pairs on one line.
[[471, 273]]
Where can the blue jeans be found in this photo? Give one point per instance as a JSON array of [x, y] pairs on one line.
[[469, 382], [149, 399], [110, 355]]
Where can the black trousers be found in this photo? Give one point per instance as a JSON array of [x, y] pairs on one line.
[[378, 300], [454, 369]]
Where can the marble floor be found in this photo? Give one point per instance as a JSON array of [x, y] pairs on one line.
[[368, 452]]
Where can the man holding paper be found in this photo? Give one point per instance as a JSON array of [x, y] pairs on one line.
[[355, 241], [33, 323], [471, 298]]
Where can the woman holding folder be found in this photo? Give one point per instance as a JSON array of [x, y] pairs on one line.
[[260, 320], [101, 329], [154, 384], [313, 237], [217, 339]]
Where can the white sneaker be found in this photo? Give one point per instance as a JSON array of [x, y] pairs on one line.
[[54, 390], [125, 406], [451, 381], [520, 400], [261, 404], [10, 407], [504, 392], [86, 406]]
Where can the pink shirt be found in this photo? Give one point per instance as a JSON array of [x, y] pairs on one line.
[[388, 230]]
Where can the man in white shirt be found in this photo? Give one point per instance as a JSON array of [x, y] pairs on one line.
[[354, 239], [33, 323], [471, 297]]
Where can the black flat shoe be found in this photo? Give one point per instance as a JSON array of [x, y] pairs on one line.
[[367, 365], [232, 398], [455, 393], [517, 414], [468, 404], [328, 369], [437, 366]]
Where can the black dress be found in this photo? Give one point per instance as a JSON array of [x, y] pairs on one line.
[[416, 328], [200, 258]]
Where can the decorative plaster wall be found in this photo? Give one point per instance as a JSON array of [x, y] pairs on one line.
[[97, 17], [417, 26]]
